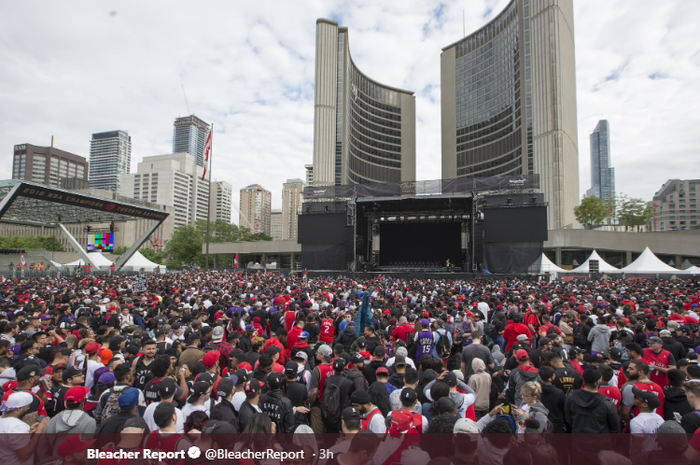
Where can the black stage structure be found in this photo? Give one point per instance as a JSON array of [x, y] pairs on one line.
[[468, 225]]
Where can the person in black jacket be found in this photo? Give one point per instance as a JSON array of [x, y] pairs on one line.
[[553, 398], [370, 369], [277, 405], [588, 411], [675, 399], [249, 407], [345, 387], [224, 410], [674, 347]]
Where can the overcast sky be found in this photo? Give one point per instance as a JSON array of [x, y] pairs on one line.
[[70, 69]]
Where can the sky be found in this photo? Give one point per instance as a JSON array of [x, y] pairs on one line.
[[73, 68]]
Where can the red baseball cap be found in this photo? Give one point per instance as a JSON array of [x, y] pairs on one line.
[[382, 370], [210, 359], [76, 394], [92, 348], [521, 354], [244, 366], [73, 443]]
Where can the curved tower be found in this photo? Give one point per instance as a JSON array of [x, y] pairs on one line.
[[364, 131], [509, 102]]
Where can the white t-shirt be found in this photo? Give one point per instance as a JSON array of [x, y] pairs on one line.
[[92, 367], [14, 435], [187, 409], [148, 418], [646, 423], [237, 400]]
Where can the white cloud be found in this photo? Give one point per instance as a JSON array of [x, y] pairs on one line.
[[75, 68]]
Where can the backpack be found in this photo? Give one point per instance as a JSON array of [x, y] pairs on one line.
[[331, 406], [579, 336], [490, 331], [510, 420], [111, 406], [443, 346]]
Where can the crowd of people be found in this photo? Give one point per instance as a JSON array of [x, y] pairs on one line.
[[506, 371]]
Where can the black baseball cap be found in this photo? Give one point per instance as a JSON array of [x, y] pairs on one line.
[[241, 377], [225, 387], [408, 396], [450, 378], [252, 387], [357, 358], [275, 380], [198, 390], [351, 413], [163, 414], [166, 388], [338, 364], [290, 369], [29, 372], [648, 397], [70, 372], [400, 360]]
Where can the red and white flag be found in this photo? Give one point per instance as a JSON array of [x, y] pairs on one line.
[[21, 259], [235, 261], [207, 151]]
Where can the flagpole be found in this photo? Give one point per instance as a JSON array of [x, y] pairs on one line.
[[211, 155]]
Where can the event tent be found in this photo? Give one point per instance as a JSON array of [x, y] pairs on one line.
[[648, 263], [693, 270], [603, 266], [97, 257], [138, 261], [544, 265]]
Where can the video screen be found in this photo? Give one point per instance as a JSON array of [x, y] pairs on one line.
[[100, 242]]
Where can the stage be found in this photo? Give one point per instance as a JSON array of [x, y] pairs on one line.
[[430, 234]]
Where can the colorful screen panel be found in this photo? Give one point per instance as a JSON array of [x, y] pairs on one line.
[[100, 242]]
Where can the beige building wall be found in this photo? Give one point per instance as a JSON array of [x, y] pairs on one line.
[[276, 225], [220, 201], [292, 199], [364, 131], [555, 127], [256, 209]]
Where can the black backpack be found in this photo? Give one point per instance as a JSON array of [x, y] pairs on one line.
[[443, 345], [490, 330], [331, 406], [579, 335]]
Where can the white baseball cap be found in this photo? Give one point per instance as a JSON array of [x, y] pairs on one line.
[[18, 400], [465, 425]]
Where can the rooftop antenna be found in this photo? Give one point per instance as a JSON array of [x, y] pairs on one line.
[[185, 95], [464, 24]]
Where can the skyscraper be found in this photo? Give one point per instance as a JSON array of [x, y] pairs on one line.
[[47, 165], [256, 209], [220, 199], [110, 157], [174, 180], [292, 199], [602, 175], [508, 96], [189, 136], [364, 131]]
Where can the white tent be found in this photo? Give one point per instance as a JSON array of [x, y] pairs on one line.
[[544, 265], [101, 261], [603, 266], [693, 270], [647, 262], [138, 261]]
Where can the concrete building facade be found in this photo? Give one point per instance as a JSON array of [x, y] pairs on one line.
[[190, 136], [256, 209], [292, 200], [676, 206], [110, 157], [602, 175], [508, 102], [276, 224], [364, 131], [220, 199], [173, 180], [47, 165]]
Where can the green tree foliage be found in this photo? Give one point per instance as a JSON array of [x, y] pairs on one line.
[[591, 212], [49, 243], [635, 212], [121, 250], [185, 247], [154, 255]]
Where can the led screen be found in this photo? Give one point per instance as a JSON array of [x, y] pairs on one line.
[[100, 242]]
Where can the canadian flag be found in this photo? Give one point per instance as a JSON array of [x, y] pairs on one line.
[[207, 151], [21, 259], [235, 261]]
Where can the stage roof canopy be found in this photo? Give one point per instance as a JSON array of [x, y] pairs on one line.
[[32, 203]]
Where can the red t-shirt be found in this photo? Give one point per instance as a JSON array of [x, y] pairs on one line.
[[612, 393], [512, 331]]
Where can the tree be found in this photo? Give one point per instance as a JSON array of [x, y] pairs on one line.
[[184, 248], [635, 212], [154, 255], [49, 243], [591, 212], [121, 250]]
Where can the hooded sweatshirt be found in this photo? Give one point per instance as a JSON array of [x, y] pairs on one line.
[[518, 378], [65, 423], [498, 356], [347, 337], [675, 400], [537, 412], [591, 412], [480, 382], [397, 379], [600, 337], [553, 398]]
